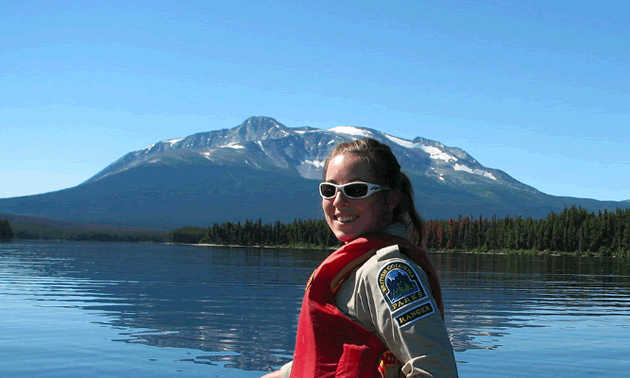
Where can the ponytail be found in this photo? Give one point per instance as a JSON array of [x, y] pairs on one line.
[[406, 212]]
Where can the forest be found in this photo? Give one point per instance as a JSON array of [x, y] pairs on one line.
[[300, 233], [574, 230]]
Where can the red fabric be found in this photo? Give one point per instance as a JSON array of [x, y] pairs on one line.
[[328, 344]]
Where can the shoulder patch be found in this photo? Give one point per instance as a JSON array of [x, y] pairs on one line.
[[400, 286]]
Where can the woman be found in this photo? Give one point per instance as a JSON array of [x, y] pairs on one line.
[[373, 308]]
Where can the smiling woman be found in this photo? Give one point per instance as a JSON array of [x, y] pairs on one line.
[[374, 307], [351, 216]]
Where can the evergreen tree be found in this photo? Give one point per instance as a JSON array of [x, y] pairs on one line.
[[625, 243], [481, 230], [6, 232], [441, 236]]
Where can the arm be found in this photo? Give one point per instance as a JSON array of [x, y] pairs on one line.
[[391, 297], [275, 374], [284, 372]]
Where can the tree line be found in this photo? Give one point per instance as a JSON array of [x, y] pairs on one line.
[[573, 230], [299, 233], [27, 231]]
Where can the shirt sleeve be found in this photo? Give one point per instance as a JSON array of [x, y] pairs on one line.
[[390, 296], [285, 370]]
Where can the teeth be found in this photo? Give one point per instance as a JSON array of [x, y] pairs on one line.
[[346, 219]]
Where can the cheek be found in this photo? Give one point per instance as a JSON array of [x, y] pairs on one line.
[[374, 209], [328, 209]]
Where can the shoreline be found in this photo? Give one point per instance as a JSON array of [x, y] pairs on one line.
[[250, 246], [619, 254], [511, 252]]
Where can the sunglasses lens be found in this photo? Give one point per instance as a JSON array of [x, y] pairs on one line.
[[327, 190], [356, 190]]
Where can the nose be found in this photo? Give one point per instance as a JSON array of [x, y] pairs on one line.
[[340, 200]]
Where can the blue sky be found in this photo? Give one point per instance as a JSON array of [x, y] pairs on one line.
[[538, 89]]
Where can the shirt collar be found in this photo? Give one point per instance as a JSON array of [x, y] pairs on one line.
[[397, 229]]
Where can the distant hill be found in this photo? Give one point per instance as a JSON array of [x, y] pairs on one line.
[[20, 221], [25, 227], [263, 169]]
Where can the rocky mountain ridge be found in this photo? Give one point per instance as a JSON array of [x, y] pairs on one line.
[[263, 142], [226, 175]]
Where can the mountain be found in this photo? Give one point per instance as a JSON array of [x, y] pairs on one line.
[[263, 169]]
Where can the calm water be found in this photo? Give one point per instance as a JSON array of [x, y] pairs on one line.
[[151, 310]]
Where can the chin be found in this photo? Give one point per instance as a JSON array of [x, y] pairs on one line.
[[348, 236], [343, 236], [347, 232]]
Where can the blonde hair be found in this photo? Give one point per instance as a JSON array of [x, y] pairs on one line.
[[385, 166]]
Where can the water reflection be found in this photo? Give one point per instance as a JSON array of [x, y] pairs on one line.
[[487, 295], [241, 305]]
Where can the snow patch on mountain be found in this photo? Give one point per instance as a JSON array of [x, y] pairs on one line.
[[350, 130], [437, 154], [459, 167], [401, 142], [316, 163], [233, 145], [283, 131], [440, 175], [173, 141]]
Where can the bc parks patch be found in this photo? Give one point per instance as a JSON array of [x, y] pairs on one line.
[[400, 285]]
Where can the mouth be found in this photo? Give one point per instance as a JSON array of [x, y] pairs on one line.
[[346, 218]]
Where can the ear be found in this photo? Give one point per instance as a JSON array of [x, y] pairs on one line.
[[393, 198]]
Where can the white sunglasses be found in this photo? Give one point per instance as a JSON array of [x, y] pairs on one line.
[[353, 190]]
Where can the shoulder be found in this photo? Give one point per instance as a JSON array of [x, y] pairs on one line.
[[398, 285], [360, 291], [388, 259]]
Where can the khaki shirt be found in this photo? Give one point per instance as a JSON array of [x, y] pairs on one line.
[[390, 296]]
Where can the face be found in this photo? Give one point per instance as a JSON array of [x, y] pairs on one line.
[[351, 218]]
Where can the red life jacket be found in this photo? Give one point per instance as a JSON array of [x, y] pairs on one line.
[[328, 343]]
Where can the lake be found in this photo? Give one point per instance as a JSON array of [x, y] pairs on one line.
[[74, 309]]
